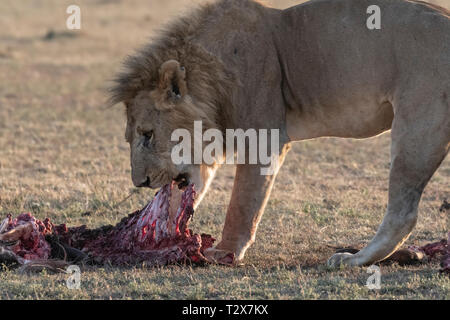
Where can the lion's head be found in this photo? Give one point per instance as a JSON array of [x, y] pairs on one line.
[[152, 116]]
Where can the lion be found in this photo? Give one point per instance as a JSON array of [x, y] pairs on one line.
[[312, 70]]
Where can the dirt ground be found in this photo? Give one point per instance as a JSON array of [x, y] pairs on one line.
[[63, 156]]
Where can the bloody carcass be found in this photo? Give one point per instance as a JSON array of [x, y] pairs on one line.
[[156, 235]]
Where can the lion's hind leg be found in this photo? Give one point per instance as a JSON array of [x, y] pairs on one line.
[[420, 142]]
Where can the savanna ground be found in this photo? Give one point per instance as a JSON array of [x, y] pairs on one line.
[[63, 156]]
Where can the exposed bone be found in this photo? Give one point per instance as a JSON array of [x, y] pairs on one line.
[[4, 224], [21, 232]]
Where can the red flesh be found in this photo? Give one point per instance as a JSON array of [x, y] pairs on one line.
[[145, 236]]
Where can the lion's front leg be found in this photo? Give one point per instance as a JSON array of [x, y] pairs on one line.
[[251, 191]]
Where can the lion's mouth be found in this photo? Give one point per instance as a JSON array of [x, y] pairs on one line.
[[182, 180]]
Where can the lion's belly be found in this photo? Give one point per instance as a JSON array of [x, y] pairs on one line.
[[350, 121]]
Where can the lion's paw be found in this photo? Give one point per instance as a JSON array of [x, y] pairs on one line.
[[218, 256], [340, 259]]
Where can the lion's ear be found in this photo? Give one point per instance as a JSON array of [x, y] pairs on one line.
[[172, 83]]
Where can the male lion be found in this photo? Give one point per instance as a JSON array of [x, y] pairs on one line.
[[313, 70]]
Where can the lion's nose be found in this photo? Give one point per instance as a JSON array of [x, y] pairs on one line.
[[145, 184]]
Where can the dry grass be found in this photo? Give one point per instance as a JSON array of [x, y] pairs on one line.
[[62, 154]]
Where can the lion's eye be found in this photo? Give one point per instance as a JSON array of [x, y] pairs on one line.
[[148, 137]]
